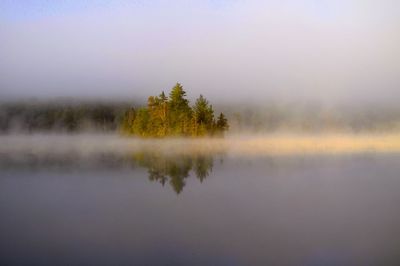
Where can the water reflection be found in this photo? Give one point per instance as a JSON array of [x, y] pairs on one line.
[[162, 168], [103, 210], [174, 169]]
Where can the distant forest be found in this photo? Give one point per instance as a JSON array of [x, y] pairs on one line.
[[173, 116], [60, 116]]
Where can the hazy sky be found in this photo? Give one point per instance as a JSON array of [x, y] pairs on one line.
[[254, 50]]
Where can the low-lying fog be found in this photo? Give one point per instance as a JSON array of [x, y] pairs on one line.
[[86, 145]]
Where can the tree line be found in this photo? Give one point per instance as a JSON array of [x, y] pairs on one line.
[[61, 116], [173, 116]]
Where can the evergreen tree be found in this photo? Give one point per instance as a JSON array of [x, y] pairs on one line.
[[164, 114], [222, 124], [179, 111], [203, 117]]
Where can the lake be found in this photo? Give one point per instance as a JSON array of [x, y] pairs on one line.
[[150, 208]]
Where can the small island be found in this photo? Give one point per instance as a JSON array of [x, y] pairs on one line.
[[172, 116]]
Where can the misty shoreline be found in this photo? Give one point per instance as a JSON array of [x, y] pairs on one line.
[[244, 118], [86, 145]]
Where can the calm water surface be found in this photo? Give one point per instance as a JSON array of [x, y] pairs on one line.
[[203, 210]]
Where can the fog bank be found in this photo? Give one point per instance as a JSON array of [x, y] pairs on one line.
[[87, 145], [330, 51]]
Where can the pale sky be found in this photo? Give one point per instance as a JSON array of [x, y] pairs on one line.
[[233, 50]]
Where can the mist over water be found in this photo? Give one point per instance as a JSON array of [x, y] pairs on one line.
[[157, 209], [87, 145], [245, 200]]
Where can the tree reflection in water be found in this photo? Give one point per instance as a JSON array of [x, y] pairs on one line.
[[163, 168], [174, 169]]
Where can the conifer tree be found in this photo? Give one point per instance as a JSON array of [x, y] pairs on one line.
[[222, 124], [179, 111], [203, 117], [164, 114]]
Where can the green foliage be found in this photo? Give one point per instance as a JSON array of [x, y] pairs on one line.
[[180, 112], [203, 117], [141, 124], [173, 116], [158, 111], [128, 120], [222, 123]]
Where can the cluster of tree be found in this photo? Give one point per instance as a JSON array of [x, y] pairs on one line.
[[60, 116], [173, 116]]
